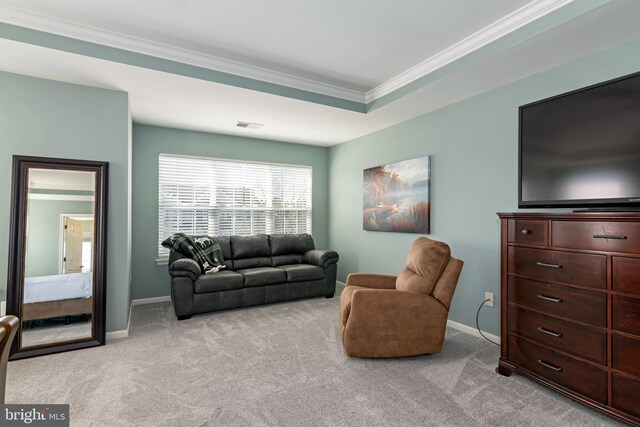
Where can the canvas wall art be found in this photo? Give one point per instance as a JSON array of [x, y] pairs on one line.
[[397, 197]]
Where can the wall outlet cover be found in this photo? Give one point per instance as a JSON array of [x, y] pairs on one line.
[[488, 296]]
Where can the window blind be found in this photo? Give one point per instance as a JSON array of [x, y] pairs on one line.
[[216, 197]]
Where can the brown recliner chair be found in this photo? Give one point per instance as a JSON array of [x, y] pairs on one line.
[[389, 316]]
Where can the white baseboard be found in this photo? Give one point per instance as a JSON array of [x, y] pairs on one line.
[[116, 335], [3, 308], [153, 300], [472, 331]]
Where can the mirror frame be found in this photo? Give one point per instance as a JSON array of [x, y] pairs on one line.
[[17, 246]]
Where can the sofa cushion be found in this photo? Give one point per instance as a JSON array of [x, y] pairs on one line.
[[250, 247], [287, 244], [225, 245], [302, 272], [426, 261], [243, 264], [263, 276], [286, 259], [223, 280]]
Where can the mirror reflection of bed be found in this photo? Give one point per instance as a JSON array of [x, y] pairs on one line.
[[56, 308], [58, 280]]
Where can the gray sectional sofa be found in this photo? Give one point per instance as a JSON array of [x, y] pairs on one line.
[[258, 269]]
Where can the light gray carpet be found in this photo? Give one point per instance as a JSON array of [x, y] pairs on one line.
[[281, 365]]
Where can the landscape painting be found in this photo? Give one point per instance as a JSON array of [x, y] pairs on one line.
[[396, 197]]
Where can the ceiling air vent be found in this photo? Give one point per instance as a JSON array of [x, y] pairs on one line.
[[249, 125]]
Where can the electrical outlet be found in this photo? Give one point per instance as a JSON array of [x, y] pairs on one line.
[[489, 296]]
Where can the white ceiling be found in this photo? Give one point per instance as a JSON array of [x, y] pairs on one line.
[[356, 48]]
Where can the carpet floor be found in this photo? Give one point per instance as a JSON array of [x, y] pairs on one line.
[[281, 365]]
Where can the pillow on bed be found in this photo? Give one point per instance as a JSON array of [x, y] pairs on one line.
[[201, 249]]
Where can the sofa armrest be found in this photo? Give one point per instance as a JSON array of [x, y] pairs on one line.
[[185, 267], [320, 258], [375, 281]]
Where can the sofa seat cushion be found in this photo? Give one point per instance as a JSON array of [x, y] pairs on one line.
[[223, 280], [262, 276], [302, 272]]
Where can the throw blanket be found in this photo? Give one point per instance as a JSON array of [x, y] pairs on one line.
[[203, 250]]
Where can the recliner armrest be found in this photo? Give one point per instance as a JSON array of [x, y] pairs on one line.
[[375, 281], [321, 258], [185, 267]]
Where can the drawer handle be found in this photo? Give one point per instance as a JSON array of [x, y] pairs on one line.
[[544, 264], [548, 332], [610, 236], [552, 299], [526, 231], [549, 365]]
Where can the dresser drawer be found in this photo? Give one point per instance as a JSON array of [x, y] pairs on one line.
[[568, 267], [625, 394], [586, 379], [626, 274], [596, 235], [530, 231], [566, 336], [570, 303], [625, 354], [626, 314]]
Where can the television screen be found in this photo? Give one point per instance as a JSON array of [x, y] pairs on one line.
[[582, 149]]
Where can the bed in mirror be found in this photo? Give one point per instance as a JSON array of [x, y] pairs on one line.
[[56, 280]]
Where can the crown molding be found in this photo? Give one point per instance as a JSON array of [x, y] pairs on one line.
[[36, 21], [500, 28], [521, 17]]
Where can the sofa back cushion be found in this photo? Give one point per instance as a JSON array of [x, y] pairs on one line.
[[288, 249], [225, 245], [250, 251], [426, 262]]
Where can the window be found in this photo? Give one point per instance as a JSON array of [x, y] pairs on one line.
[[217, 197]]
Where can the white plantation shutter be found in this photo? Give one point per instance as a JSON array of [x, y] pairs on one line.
[[216, 197]]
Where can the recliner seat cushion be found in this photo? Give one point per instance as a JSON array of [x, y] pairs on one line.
[[263, 276], [302, 272], [426, 262], [223, 280]]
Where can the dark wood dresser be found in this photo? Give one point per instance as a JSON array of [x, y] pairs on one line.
[[570, 305]]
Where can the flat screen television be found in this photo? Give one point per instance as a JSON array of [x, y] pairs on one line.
[[582, 149]]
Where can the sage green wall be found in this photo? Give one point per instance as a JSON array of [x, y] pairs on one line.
[[474, 149], [151, 280], [52, 119], [43, 241]]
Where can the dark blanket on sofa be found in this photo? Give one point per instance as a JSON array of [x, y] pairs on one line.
[[203, 250]]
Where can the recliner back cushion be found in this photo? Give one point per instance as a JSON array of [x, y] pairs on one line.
[[426, 262], [290, 244], [250, 251]]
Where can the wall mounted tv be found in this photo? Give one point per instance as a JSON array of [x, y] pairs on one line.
[[582, 148]]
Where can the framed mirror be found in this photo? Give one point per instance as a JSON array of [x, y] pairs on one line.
[[57, 278]]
